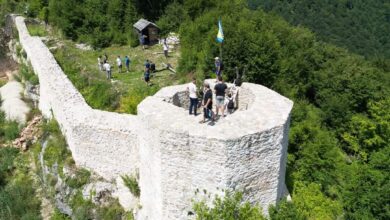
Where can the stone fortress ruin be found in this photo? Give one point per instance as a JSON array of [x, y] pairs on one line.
[[172, 153]]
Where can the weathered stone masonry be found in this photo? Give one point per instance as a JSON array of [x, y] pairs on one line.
[[174, 155]]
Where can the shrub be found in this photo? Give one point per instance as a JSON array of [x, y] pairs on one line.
[[101, 95], [26, 74], [80, 179], [57, 215], [229, 207], [18, 199], [129, 103], [133, 40], [132, 183], [11, 130], [7, 156], [37, 30]]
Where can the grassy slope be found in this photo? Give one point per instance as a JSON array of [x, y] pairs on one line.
[[130, 89]]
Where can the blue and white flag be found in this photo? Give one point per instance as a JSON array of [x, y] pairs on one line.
[[220, 32]]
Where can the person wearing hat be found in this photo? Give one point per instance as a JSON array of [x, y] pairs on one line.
[[218, 67]]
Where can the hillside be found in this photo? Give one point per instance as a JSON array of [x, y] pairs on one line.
[[361, 26], [338, 163]]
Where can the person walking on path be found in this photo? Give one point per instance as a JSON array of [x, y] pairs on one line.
[[165, 47], [100, 63], [147, 72], [105, 58], [193, 97], [220, 91], [127, 63], [119, 64], [218, 67], [207, 103], [107, 67]]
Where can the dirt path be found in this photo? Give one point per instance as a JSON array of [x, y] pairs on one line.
[[7, 67]]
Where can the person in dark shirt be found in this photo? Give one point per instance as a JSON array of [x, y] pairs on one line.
[[220, 90], [147, 72], [207, 103], [127, 63]]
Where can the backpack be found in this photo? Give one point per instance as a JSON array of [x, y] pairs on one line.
[[230, 104]]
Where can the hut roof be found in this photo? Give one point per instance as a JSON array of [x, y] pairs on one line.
[[142, 24]]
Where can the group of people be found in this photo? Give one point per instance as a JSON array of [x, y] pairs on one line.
[[223, 100], [104, 65]]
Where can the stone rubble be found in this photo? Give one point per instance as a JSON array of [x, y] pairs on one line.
[[29, 134]]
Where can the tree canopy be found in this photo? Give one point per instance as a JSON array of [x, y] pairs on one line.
[[361, 26]]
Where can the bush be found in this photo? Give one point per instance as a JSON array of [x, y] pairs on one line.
[[37, 30], [132, 183], [129, 103], [285, 210], [175, 14], [86, 209], [7, 157], [26, 74], [57, 215], [133, 40], [229, 207], [101, 95], [18, 199], [11, 130], [80, 179]]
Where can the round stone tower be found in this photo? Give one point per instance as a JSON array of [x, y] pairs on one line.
[[179, 157]]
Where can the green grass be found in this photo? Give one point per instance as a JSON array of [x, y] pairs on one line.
[[27, 74], [18, 199], [132, 183], [56, 149], [37, 30], [127, 89], [57, 215], [86, 209], [81, 178], [9, 130]]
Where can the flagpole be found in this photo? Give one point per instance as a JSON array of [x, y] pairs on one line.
[[220, 51]]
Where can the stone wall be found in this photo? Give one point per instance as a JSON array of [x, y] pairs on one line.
[[176, 157], [101, 141]]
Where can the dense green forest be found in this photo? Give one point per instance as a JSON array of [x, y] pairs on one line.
[[339, 150], [361, 26]]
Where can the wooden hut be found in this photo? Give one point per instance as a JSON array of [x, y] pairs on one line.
[[148, 29]]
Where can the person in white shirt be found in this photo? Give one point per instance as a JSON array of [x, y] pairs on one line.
[[107, 67], [193, 97], [165, 47], [100, 63], [119, 64]]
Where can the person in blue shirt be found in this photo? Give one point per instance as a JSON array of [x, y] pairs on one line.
[[147, 72], [127, 63]]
